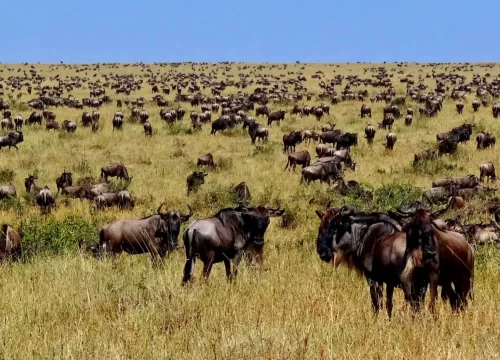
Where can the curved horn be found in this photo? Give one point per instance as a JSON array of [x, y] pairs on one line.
[[190, 211], [345, 211], [328, 205], [159, 208]]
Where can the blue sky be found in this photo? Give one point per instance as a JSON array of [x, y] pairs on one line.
[[252, 31]]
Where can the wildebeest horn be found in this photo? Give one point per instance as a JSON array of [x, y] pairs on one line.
[[186, 217], [159, 208], [345, 211], [439, 213], [328, 205]]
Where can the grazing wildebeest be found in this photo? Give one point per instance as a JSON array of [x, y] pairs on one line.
[[299, 158], [469, 193], [467, 181], [10, 244], [371, 243], [443, 182], [206, 160], [387, 122], [391, 140], [77, 192], [257, 131], [262, 110], [18, 121], [444, 257], [291, 140], [327, 171], [277, 116], [321, 149], [143, 116], [115, 170], [426, 155], [242, 193], [148, 129], [485, 140], [365, 110], [460, 107], [370, 134], [11, 139], [345, 157], [34, 118], [86, 119], [156, 234], [45, 200], [7, 191], [66, 179], [345, 141], [194, 180], [52, 125], [125, 200], [447, 146], [330, 137], [225, 237], [487, 170]]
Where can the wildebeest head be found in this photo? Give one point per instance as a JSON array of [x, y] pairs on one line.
[[331, 227], [170, 225], [255, 220], [29, 182]]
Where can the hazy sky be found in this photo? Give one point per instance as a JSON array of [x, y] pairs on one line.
[[252, 31]]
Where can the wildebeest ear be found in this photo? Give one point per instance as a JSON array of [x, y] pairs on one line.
[[276, 213], [320, 214]]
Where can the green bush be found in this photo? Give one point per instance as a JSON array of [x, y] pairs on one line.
[[7, 175], [389, 196]]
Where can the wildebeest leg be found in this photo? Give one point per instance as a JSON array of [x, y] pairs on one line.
[[227, 265], [389, 291], [375, 293], [434, 291], [207, 267], [188, 270]]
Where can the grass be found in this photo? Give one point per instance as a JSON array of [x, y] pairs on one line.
[[61, 304]]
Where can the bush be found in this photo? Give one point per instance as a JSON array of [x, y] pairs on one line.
[[7, 175], [179, 128], [389, 196], [214, 198], [223, 164]]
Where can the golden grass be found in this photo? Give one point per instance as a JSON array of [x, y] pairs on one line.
[[69, 306]]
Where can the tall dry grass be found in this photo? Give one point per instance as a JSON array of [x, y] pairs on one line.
[[60, 304]]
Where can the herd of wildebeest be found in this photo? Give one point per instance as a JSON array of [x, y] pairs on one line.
[[411, 248]]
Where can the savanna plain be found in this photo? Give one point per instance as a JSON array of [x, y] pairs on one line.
[[61, 303]]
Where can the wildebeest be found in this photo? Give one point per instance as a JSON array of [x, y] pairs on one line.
[[485, 140], [467, 181], [242, 193], [148, 129], [86, 119], [194, 180], [206, 160], [7, 191], [426, 155], [30, 186], [328, 127], [34, 118], [45, 200], [299, 158], [408, 120], [371, 243], [125, 200], [7, 124], [11, 139], [478, 190], [318, 112], [390, 140], [117, 123], [345, 141], [327, 171], [66, 179], [476, 105], [18, 121], [308, 135], [370, 134], [257, 131], [115, 170], [365, 110], [487, 170], [495, 110], [447, 146], [460, 107], [330, 137], [10, 244], [437, 255], [277, 116], [439, 194], [225, 237], [52, 125], [77, 192], [291, 140], [156, 234]]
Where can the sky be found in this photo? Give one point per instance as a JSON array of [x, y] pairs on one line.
[[251, 31]]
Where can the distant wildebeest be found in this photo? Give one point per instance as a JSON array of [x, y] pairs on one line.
[[291, 140], [148, 129], [487, 170], [104, 199], [156, 234], [460, 107], [298, 158], [10, 244], [370, 134], [390, 140], [7, 191], [77, 192], [48, 115], [328, 127], [86, 119], [34, 118], [330, 137], [257, 131], [69, 126], [485, 140], [143, 116], [408, 120], [95, 126], [387, 122], [365, 110], [426, 155], [225, 237], [495, 110], [30, 186], [52, 125], [11, 139], [242, 193], [66, 179], [115, 170], [18, 121], [262, 110], [45, 200], [476, 105], [206, 160], [194, 180], [7, 123], [277, 116], [322, 171], [125, 200], [308, 135]]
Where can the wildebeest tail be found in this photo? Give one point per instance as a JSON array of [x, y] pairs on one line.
[[287, 164]]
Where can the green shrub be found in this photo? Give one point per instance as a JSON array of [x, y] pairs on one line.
[[389, 196], [7, 175]]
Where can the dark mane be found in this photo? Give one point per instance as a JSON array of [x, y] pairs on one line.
[[223, 214]]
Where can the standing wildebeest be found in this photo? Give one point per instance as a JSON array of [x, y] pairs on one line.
[[308, 135], [262, 110], [408, 120], [495, 110], [460, 107], [77, 192], [225, 237], [45, 200], [117, 123], [291, 140], [66, 179], [387, 122], [485, 140], [86, 119], [52, 125], [476, 105], [143, 116], [370, 134], [34, 118], [365, 110], [69, 126], [391, 140], [327, 171], [125, 200], [148, 129], [10, 244], [371, 243], [18, 121], [299, 158], [277, 116], [242, 193], [194, 180], [330, 137], [11, 139], [347, 140], [156, 234], [318, 112], [7, 123], [447, 146], [256, 130], [30, 186], [206, 160], [487, 170], [193, 116], [115, 170], [7, 191], [426, 155], [444, 257]]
